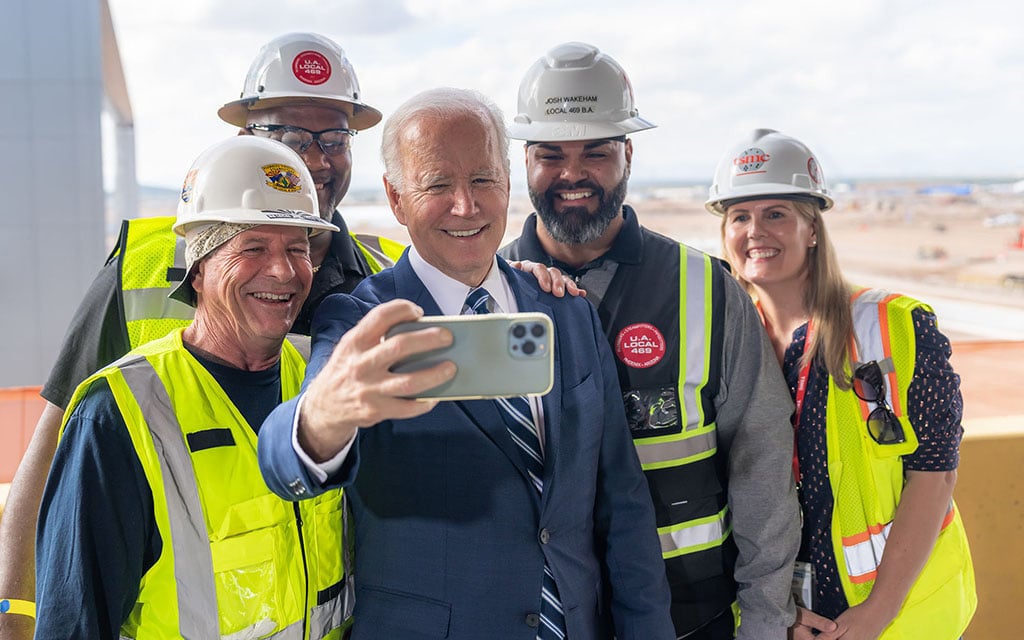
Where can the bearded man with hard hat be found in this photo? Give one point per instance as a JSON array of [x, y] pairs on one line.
[[708, 408], [155, 523], [301, 90]]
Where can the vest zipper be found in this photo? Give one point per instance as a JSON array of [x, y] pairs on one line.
[[305, 571]]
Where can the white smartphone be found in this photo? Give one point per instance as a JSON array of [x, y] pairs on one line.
[[497, 355]]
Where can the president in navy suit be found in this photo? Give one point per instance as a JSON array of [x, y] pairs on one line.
[[461, 530]]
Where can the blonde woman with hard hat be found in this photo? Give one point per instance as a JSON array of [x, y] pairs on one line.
[[878, 408], [156, 522]]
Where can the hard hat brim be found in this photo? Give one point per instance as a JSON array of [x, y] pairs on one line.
[[183, 291], [764, 192], [360, 116], [565, 131], [280, 217]]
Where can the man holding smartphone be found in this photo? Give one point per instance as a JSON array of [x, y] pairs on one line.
[[480, 518]]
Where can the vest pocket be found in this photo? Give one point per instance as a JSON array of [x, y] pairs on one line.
[[652, 412], [256, 566], [247, 581]]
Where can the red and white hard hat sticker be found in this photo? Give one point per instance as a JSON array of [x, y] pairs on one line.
[[813, 171], [750, 161], [640, 345], [311, 67]]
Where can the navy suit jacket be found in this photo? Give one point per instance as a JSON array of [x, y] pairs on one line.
[[450, 535]]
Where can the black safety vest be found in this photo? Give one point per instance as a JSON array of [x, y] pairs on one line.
[[664, 319]]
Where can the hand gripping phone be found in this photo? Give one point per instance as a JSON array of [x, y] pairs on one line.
[[497, 355]]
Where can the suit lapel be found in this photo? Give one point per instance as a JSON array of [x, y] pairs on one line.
[[409, 287], [486, 415]]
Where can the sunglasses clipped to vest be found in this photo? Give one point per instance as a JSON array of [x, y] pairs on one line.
[[869, 385]]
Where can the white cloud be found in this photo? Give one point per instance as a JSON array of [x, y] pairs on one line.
[[877, 88]]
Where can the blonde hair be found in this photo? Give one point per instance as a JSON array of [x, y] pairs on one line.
[[827, 297]]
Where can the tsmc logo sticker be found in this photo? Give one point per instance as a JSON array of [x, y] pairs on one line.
[[750, 161], [640, 345], [311, 67], [813, 170]]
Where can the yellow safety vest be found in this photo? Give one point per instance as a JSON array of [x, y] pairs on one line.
[[867, 481], [236, 561], [148, 252], [151, 258]]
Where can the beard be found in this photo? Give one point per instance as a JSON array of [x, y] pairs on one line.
[[576, 225]]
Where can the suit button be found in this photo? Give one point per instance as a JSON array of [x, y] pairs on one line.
[[545, 536], [297, 487], [532, 620]]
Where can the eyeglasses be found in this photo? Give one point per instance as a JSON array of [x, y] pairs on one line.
[[869, 385], [331, 141]]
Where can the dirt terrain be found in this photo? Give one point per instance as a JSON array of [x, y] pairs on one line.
[[886, 234]]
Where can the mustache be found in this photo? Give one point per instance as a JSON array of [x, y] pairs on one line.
[[565, 185]]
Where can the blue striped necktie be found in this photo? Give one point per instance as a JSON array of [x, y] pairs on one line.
[[520, 425]]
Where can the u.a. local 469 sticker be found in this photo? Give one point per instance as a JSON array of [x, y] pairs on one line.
[[640, 345], [311, 67]]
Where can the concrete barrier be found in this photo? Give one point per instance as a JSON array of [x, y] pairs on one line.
[[990, 491], [990, 496]]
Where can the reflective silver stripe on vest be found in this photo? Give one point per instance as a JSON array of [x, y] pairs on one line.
[[867, 327], [179, 254], [193, 561], [292, 632], [348, 537], [370, 248], [675, 450], [328, 616], [147, 304], [695, 535], [259, 630], [694, 357]]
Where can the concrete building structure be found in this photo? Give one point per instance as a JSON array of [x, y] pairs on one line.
[[61, 72]]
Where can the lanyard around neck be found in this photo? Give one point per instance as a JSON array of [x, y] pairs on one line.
[[801, 390]]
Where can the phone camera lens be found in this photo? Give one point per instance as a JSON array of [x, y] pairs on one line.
[[519, 331], [537, 330], [529, 347]]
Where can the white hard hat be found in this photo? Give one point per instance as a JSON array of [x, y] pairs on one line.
[[249, 180], [767, 164], [575, 92], [237, 184], [301, 69]]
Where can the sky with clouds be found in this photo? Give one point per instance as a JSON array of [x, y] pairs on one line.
[[878, 88]]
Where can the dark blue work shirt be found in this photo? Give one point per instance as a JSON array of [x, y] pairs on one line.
[[97, 535]]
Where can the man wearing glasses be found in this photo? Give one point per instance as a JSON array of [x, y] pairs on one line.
[[302, 91]]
